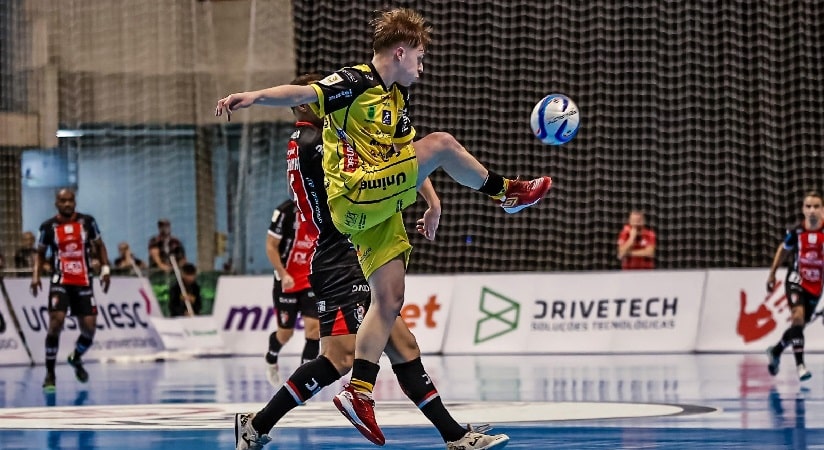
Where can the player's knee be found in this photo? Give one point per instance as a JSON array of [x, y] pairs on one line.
[[445, 142], [284, 334], [342, 359]]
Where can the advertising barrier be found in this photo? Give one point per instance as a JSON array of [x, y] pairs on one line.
[[638, 312], [193, 335], [739, 314], [245, 314], [12, 349], [123, 325]]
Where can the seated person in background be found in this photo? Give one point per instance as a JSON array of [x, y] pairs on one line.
[[163, 245], [636, 244], [125, 259], [24, 256], [177, 299]]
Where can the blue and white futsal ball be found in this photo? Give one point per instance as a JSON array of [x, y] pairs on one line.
[[555, 119]]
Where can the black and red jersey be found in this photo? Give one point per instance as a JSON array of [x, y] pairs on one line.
[[807, 249], [283, 227], [70, 242], [305, 171]]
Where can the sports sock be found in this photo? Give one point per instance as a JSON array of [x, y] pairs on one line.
[[494, 185], [417, 385], [52, 345], [82, 345], [305, 382], [274, 349], [310, 350], [364, 375], [796, 339]]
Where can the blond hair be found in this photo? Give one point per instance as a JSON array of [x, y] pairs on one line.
[[400, 26]]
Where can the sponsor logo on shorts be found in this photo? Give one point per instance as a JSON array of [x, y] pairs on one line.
[[321, 306], [384, 182], [355, 220], [288, 300], [360, 288], [284, 316], [387, 118], [360, 311]]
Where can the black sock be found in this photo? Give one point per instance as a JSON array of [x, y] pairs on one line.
[[364, 375], [274, 349], [310, 350], [52, 345], [307, 381], [416, 384], [493, 185], [82, 345], [796, 335]]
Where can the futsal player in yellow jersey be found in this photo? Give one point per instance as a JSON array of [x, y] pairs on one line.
[[374, 169]]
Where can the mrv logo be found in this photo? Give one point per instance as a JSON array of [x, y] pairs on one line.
[[254, 318]]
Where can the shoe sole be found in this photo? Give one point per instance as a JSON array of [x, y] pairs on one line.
[[498, 444], [806, 376], [355, 420]]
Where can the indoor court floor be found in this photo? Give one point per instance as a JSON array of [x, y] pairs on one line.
[[541, 402]]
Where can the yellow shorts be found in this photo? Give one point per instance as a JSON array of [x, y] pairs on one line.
[[380, 192], [381, 244]]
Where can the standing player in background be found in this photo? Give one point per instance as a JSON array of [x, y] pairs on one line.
[[636, 244], [72, 238], [805, 245], [342, 299], [374, 170], [290, 245]]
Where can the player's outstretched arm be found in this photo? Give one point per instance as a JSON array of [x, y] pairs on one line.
[[285, 95]]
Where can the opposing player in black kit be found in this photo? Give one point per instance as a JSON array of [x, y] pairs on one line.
[[72, 238], [805, 279], [290, 244], [343, 296]]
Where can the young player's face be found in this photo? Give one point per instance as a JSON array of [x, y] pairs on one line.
[[410, 63], [813, 210]]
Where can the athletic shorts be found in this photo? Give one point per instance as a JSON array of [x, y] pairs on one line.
[[378, 193], [342, 297], [288, 305], [796, 295], [78, 299]]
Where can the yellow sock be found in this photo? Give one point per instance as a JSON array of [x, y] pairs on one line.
[[361, 385]]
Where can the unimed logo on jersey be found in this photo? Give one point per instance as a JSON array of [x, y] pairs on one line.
[[500, 316]]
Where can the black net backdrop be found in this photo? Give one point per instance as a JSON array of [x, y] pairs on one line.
[[705, 114]]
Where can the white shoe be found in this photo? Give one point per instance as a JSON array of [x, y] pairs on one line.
[[476, 439], [273, 375], [803, 373], [246, 438]]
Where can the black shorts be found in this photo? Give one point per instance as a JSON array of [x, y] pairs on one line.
[[798, 296], [342, 296], [78, 299], [288, 305]]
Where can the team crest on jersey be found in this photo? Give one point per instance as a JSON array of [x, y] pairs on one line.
[[331, 79], [387, 118], [812, 238]]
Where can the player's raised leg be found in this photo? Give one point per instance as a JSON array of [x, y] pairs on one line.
[[443, 150]]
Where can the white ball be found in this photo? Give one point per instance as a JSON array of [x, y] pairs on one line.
[[555, 119]]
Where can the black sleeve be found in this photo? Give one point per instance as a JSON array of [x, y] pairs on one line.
[[339, 90], [45, 236], [92, 229], [282, 219], [404, 131]]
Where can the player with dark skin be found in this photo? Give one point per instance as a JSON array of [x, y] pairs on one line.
[[71, 282]]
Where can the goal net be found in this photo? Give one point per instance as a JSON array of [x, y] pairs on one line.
[[705, 115]]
